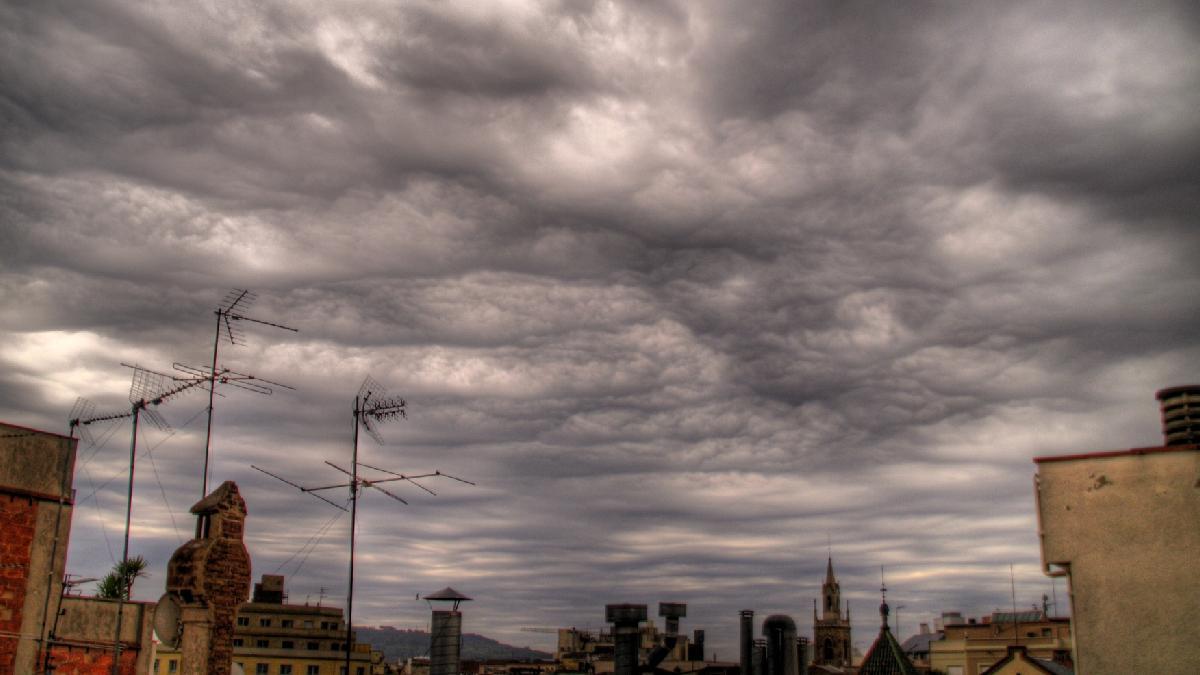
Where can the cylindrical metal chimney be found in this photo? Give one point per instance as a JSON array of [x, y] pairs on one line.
[[802, 657], [445, 631], [626, 636], [1180, 408], [760, 656], [445, 640], [779, 631], [746, 639]]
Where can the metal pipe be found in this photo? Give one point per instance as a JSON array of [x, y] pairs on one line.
[[137, 413]]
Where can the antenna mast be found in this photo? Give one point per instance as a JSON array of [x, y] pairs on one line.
[[148, 388], [372, 405], [230, 311]]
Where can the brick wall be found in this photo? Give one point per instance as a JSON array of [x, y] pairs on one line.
[[91, 660], [17, 515]]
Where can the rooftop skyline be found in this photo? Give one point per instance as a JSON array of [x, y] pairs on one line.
[[695, 292]]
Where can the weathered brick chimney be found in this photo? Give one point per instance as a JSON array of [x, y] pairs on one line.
[[210, 578]]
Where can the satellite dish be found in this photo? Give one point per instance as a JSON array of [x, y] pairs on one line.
[[166, 620]]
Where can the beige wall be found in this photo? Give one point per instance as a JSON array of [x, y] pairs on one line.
[[92, 622], [1126, 528]]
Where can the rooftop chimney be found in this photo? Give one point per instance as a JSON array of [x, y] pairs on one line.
[[672, 611], [626, 636], [1180, 414], [746, 640]]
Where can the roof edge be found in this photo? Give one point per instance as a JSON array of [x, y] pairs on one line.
[[1117, 453], [37, 431]]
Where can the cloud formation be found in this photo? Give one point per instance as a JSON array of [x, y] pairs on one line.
[[689, 289]]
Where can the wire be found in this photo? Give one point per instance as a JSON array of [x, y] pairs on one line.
[[143, 453], [163, 492], [312, 543], [100, 517]]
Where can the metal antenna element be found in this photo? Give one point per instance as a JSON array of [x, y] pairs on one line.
[[83, 409], [229, 313], [372, 405]]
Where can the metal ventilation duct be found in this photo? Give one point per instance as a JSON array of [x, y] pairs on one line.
[[1180, 408], [626, 636], [779, 631], [445, 642], [746, 640]]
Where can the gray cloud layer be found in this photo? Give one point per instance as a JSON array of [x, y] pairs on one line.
[[686, 287]]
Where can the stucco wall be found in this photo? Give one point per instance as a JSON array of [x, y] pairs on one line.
[[1127, 527], [85, 635]]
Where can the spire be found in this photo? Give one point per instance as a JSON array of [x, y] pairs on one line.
[[829, 572], [883, 606], [886, 656], [814, 611]]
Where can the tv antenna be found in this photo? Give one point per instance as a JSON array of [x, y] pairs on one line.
[[228, 315], [147, 388], [372, 406]]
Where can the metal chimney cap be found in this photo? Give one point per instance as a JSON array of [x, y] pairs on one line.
[[625, 613], [447, 594], [675, 609]]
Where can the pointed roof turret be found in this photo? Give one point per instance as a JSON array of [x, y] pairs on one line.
[[886, 656], [829, 572]]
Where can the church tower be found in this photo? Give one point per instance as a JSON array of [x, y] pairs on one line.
[[831, 628]]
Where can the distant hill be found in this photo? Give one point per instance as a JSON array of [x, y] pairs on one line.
[[398, 645]]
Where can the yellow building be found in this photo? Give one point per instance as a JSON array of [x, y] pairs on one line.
[[971, 647], [1019, 662], [1124, 528], [275, 638]]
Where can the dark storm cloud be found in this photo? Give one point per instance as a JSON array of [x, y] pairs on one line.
[[690, 290]]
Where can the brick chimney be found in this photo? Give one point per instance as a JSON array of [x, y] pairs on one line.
[[210, 577]]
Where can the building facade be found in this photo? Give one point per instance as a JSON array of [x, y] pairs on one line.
[[831, 627], [972, 646], [1122, 527], [36, 469], [272, 637]]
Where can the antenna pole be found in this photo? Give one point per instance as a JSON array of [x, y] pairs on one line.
[[137, 413], [358, 408], [1012, 579], [212, 390]]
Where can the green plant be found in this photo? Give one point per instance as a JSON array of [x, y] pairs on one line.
[[119, 582]]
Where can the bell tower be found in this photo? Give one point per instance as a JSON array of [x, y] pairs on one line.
[[831, 628]]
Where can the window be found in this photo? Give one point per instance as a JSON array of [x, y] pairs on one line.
[[265, 623], [1045, 632], [314, 670], [285, 669], [262, 643], [314, 646], [308, 624], [237, 642], [261, 669], [286, 623], [172, 666], [288, 644], [156, 665], [361, 671], [243, 621]]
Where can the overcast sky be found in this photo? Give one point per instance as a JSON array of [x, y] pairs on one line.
[[694, 291]]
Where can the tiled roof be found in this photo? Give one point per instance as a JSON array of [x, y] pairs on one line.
[[886, 657]]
